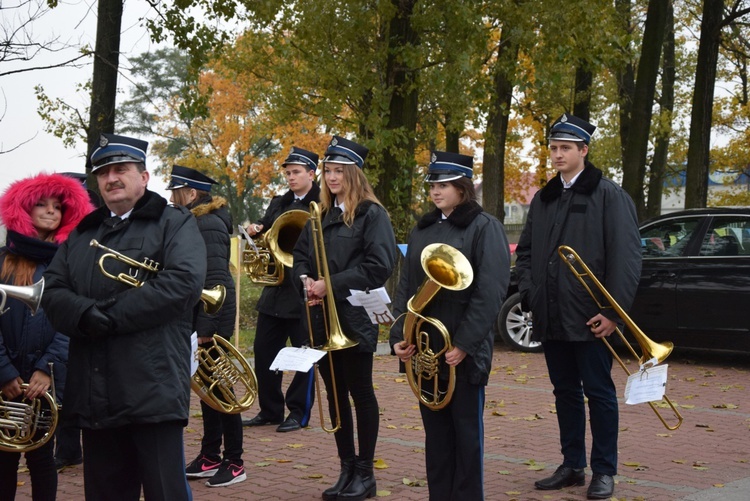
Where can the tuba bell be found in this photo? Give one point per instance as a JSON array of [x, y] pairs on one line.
[[264, 263], [30, 295], [224, 380], [446, 268]]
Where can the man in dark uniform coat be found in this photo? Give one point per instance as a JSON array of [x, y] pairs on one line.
[[594, 216], [280, 309], [129, 370]]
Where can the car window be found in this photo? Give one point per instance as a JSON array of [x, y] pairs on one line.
[[727, 236], [667, 238]]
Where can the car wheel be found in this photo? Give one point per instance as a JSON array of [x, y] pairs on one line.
[[514, 326]]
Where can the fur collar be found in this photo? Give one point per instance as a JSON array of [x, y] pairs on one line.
[[585, 184], [462, 215], [150, 206], [207, 205]]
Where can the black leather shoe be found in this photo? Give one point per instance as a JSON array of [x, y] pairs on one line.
[[601, 487], [564, 476], [61, 463], [259, 421], [290, 424]]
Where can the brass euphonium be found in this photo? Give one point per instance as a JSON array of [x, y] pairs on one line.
[[28, 424], [650, 349], [336, 338], [446, 268], [224, 380], [264, 264], [212, 299]]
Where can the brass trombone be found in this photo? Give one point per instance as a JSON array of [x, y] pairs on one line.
[[650, 349], [212, 298], [336, 339]]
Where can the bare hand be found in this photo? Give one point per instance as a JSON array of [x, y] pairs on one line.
[[205, 340], [601, 326], [404, 351], [39, 383], [254, 229], [455, 356], [316, 290], [12, 388]]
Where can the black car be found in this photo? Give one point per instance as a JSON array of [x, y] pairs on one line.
[[694, 287]]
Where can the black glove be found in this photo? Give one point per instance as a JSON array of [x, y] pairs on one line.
[[94, 322], [525, 304]]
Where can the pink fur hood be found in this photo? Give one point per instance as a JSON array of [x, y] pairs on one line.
[[22, 195]]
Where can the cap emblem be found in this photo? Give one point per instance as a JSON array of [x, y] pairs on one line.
[[433, 158], [334, 142], [103, 141]]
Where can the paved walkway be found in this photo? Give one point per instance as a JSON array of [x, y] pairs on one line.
[[706, 459]]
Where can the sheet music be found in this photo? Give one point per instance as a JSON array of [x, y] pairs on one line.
[[247, 237], [646, 385], [374, 302], [296, 359], [193, 350]]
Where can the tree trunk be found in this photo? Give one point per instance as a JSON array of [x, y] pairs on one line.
[[582, 99], [699, 143], [625, 76], [493, 182], [666, 106], [636, 148], [104, 80]]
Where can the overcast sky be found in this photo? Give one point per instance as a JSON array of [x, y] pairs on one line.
[[21, 127]]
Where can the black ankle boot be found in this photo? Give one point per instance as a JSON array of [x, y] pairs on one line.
[[347, 472], [362, 485]]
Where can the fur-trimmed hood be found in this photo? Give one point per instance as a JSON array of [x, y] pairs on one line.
[[17, 201]]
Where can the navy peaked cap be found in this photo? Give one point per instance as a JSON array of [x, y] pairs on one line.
[[571, 128], [114, 149], [299, 156], [445, 166], [185, 177], [344, 151]]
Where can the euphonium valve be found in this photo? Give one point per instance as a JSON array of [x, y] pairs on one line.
[[446, 268]]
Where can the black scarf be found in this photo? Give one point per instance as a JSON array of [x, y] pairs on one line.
[[585, 184], [462, 215], [30, 247]]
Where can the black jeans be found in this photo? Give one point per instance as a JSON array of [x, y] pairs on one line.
[[353, 374], [217, 425], [42, 470]]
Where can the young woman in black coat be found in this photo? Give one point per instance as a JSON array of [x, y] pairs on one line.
[[39, 213], [191, 189], [361, 252], [454, 434]]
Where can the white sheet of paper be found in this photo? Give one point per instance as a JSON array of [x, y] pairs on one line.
[[296, 359], [247, 237], [193, 350], [374, 302], [646, 386]]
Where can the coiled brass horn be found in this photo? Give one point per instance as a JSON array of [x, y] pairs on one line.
[[224, 380], [212, 299], [446, 268], [28, 424], [649, 348], [336, 338], [30, 295], [265, 261]]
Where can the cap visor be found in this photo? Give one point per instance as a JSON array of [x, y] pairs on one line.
[[441, 178]]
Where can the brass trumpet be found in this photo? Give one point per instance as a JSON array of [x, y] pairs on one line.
[[446, 268], [650, 349], [30, 295], [212, 299], [264, 265], [337, 340]]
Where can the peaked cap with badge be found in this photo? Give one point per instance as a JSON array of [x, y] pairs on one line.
[[343, 151], [445, 166], [298, 156], [114, 149], [571, 128], [185, 177]]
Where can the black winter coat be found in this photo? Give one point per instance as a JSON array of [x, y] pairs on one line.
[[597, 218], [360, 257], [139, 372], [29, 342], [284, 301], [215, 225], [468, 315]]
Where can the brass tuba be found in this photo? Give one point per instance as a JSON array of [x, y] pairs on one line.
[[336, 339], [649, 348], [28, 424], [30, 295], [222, 372], [446, 268], [264, 264], [212, 299]]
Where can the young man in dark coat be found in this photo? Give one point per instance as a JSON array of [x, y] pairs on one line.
[[129, 370], [280, 309], [594, 216]]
